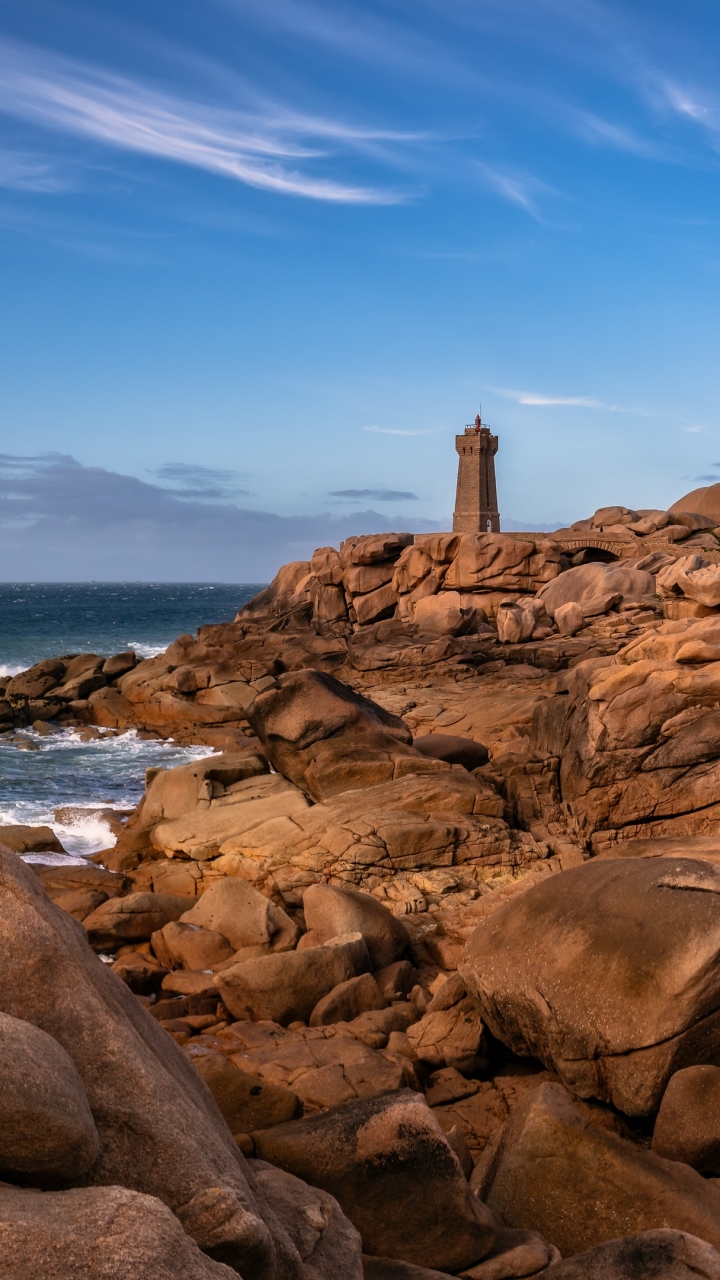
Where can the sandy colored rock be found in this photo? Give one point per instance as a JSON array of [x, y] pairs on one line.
[[70, 879], [325, 737], [347, 1001], [286, 987], [596, 579], [245, 917], [202, 831], [443, 614], [609, 975], [495, 562], [330, 910], [386, 1160], [180, 945], [132, 918], [160, 1130], [569, 618], [245, 1102], [23, 839], [169, 793], [326, 1240], [47, 1131], [594, 1185], [450, 1038], [96, 1232], [687, 1127]]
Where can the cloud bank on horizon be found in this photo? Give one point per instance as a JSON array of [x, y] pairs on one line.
[[61, 521], [295, 247]]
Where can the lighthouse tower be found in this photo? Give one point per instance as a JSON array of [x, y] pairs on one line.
[[476, 507]]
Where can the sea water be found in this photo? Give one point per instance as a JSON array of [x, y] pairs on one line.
[[40, 774]]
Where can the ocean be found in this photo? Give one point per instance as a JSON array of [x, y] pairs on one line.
[[40, 775]]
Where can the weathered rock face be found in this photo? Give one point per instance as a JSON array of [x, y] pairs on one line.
[[286, 988], [498, 563], [326, 738], [638, 736], [672, 1255], [330, 911], [580, 1185], [93, 1232], [687, 1127], [46, 1127], [589, 581], [245, 1102], [132, 918], [160, 1131], [242, 915], [326, 1240], [387, 1160], [609, 975]]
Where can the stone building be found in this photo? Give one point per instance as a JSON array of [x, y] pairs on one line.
[[476, 507]]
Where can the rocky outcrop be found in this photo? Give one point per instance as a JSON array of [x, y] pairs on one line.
[[580, 1185], [97, 1231], [160, 1132], [608, 976], [386, 1159]]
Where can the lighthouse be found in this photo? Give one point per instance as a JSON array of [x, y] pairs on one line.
[[476, 506]]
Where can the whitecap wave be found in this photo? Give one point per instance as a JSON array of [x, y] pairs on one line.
[[11, 669], [148, 650], [65, 772]]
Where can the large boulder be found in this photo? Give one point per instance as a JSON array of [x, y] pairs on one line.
[[286, 987], [649, 1255], [95, 1232], [706, 501], [326, 1240], [188, 946], [169, 793], [496, 562], [326, 738], [47, 1132], [609, 975], [131, 919], [687, 1127], [395, 1176], [22, 839], [245, 917], [330, 910], [253, 803], [160, 1130], [560, 1172], [347, 1001], [587, 581]]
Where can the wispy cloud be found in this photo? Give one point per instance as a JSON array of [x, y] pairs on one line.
[[537, 398], [395, 431], [258, 146], [522, 189], [696, 430], [22, 172], [687, 104], [376, 495]]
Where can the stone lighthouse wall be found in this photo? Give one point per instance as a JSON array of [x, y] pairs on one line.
[[476, 507]]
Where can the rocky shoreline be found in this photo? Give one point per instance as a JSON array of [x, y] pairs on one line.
[[417, 976]]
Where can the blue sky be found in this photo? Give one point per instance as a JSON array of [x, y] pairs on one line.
[[260, 262]]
